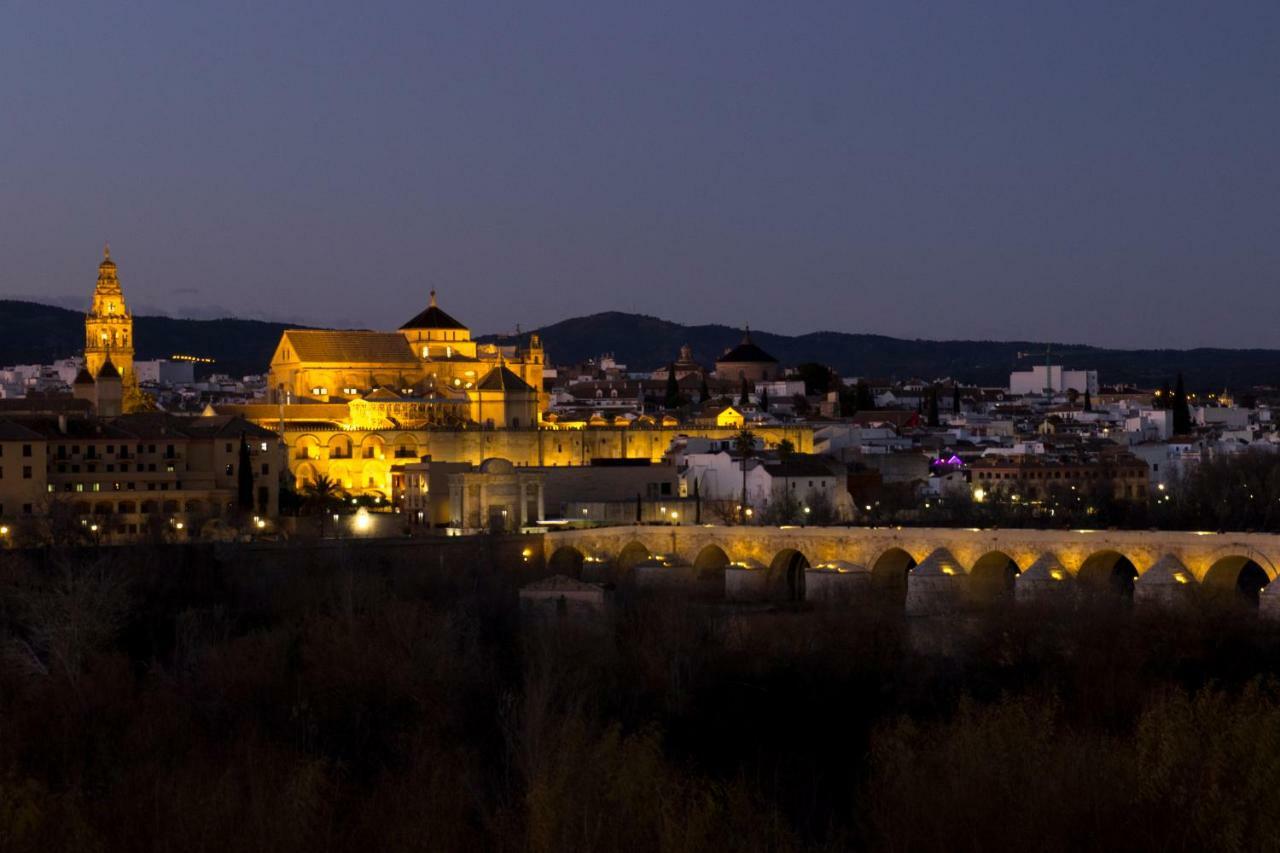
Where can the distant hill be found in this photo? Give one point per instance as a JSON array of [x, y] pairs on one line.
[[646, 343], [30, 332]]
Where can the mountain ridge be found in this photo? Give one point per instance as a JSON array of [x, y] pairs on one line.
[[35, 332]]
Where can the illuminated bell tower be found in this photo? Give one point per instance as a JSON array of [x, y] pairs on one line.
[[108, 327]]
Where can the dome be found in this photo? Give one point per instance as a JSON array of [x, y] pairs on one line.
[[746, 353], [432, 317]]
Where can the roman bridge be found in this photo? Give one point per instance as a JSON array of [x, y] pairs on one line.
[[924, 567]]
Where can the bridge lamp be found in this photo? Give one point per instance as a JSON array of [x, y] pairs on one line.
[[4, 530], [675, 516], [749, 512], [806, 510], [979, 494]]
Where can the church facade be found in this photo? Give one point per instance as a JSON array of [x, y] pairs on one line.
[[429, 373]]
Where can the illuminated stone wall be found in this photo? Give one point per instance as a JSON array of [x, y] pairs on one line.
[[358, 458]]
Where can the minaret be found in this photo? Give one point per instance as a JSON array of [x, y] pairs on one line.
[[108, 327]]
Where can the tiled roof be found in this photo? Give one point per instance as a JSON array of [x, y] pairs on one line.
[[502, 379], [746, 352], [433, 318], [10, 431], [350, 347], [799, 465]]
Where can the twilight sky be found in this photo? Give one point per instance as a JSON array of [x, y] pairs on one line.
[[1100, 172]]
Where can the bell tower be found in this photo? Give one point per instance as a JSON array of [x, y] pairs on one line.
[[108, 327]]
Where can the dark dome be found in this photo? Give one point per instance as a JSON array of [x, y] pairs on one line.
[[433, 318], [746, 352]]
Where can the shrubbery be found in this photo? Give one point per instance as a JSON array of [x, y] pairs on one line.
[[335, 706]]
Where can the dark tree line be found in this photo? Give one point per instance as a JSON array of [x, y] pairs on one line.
[[154, 700]]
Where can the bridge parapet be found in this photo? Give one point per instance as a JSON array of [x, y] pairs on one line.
[[1213, 559]]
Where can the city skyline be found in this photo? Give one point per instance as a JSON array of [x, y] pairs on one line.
[[1086, 175]]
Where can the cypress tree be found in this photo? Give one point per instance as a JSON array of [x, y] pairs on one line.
[[764, 399], [745, 397], [955, 399], [862, 399], [1181, 411], [704, 393], [1088, 401], [673, 388], [933, 407]]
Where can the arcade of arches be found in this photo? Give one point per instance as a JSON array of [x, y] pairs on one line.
[[992, 563]]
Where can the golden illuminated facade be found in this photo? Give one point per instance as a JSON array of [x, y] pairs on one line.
[[108, 327], [428, 373], [361, 407]]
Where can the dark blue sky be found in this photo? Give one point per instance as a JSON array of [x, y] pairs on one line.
[[1097, 172]]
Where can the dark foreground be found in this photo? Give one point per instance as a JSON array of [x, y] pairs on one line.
[[341, 703]]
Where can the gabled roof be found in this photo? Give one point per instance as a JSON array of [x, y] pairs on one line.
[[83, 377], [502, 379], [799, 465], [746, 352], [108, 371], [226, 426], [350, 347], [433, 318], [10, 431]]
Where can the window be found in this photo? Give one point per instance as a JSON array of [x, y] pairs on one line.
[[26, 472], [231, 469], [26, 450], [266, 469]]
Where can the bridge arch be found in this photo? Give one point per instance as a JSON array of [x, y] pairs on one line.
[[785, 581], [566, 560], [711, 561], [1237, 576], [1110, 571], [993, 576], [889, 574], [632, 555]]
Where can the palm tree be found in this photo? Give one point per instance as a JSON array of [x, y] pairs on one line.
[[745, 445], [322, 494]]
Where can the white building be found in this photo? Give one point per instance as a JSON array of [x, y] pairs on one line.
[[1054, 377], [806, 479], [164, 372]]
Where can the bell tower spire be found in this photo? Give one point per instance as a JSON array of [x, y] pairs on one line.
[[108, 327]]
